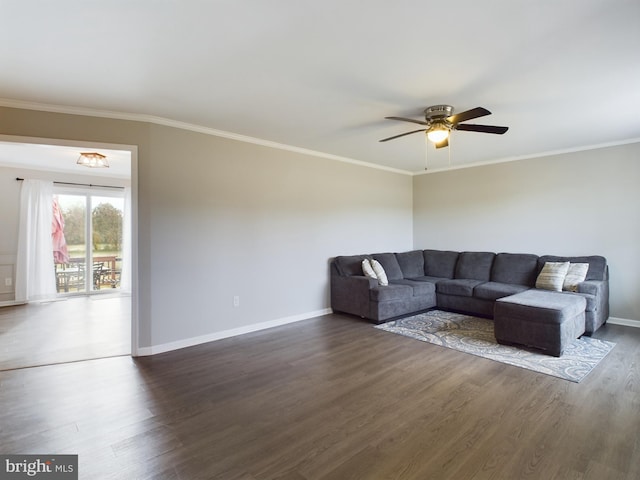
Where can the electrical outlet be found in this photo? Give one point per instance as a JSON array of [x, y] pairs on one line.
[[8, 282], [236, 301]]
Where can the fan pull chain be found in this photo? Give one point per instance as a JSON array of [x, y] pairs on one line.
[[426, 153]]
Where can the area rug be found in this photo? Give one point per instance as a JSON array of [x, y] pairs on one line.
[[475, 336]]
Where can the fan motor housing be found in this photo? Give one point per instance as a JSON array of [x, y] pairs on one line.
[[438, 112], [436, 116]]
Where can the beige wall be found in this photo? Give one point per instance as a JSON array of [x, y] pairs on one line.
[[235, 219], [572, 204], [219, 218]]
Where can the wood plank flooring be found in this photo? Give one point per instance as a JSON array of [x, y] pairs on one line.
[[328, 398], [71, 329]]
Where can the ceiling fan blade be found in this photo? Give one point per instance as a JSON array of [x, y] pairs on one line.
[[402, 119], [470, 127], [468, 115], [401, 135], [443, 143]]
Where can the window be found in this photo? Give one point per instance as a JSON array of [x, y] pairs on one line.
[[89, 256]]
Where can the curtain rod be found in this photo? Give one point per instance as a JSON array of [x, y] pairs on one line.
[[79, 184]]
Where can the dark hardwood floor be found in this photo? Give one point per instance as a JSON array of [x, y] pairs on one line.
[[67, 330], [328, 398]]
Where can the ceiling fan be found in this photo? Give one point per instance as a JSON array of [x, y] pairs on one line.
[[439, 121]]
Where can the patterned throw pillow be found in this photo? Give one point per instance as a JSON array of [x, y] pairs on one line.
[[380, 273], [576, 274], [552, 276]]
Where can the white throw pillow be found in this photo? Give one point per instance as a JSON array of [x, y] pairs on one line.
[[552, 276], [576, 274], [367, 269], [380, 273]]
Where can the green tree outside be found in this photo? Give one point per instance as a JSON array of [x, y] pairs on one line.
[[107, 227], [74, 228]]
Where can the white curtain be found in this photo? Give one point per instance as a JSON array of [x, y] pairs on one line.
[[35, 273], [125, 275]]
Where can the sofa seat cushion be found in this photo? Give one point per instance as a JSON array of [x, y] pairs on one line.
[[539, 318], [428, 279], [495, 290], [542, 306], [592, 304], [458, 286], [419, 288], [383, 293]]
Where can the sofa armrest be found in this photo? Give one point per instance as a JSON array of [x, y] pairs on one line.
[[592, 287], [350, 294], [600, 289]]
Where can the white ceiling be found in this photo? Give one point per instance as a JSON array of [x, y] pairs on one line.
[[563, 75], [58, 158]]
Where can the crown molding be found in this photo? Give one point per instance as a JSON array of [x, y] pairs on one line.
[[139, 117]]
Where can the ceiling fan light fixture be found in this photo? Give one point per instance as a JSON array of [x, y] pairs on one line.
[[438, 134], [93, 160], [439, 121]]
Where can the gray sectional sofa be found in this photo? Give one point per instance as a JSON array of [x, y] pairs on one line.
[[469, 282]]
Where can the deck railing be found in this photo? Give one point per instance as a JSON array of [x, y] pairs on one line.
[[105, 272]]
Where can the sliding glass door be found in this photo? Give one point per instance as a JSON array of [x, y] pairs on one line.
[[88, 253]]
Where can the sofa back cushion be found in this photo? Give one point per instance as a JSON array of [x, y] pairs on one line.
[[515, 268], [348, 265], [475, 265], [390, 265], [411, 263], [597, 264], [440, 263]]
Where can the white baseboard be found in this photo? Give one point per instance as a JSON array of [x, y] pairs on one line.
[[11, 303], [190, 342], [624, 321]]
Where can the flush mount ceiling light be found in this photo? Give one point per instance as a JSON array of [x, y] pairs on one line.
[[93, 160], [439, 121]]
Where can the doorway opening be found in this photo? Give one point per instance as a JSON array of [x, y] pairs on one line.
[[94, 314]]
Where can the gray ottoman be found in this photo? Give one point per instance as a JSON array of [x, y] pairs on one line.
[[540, 319]]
